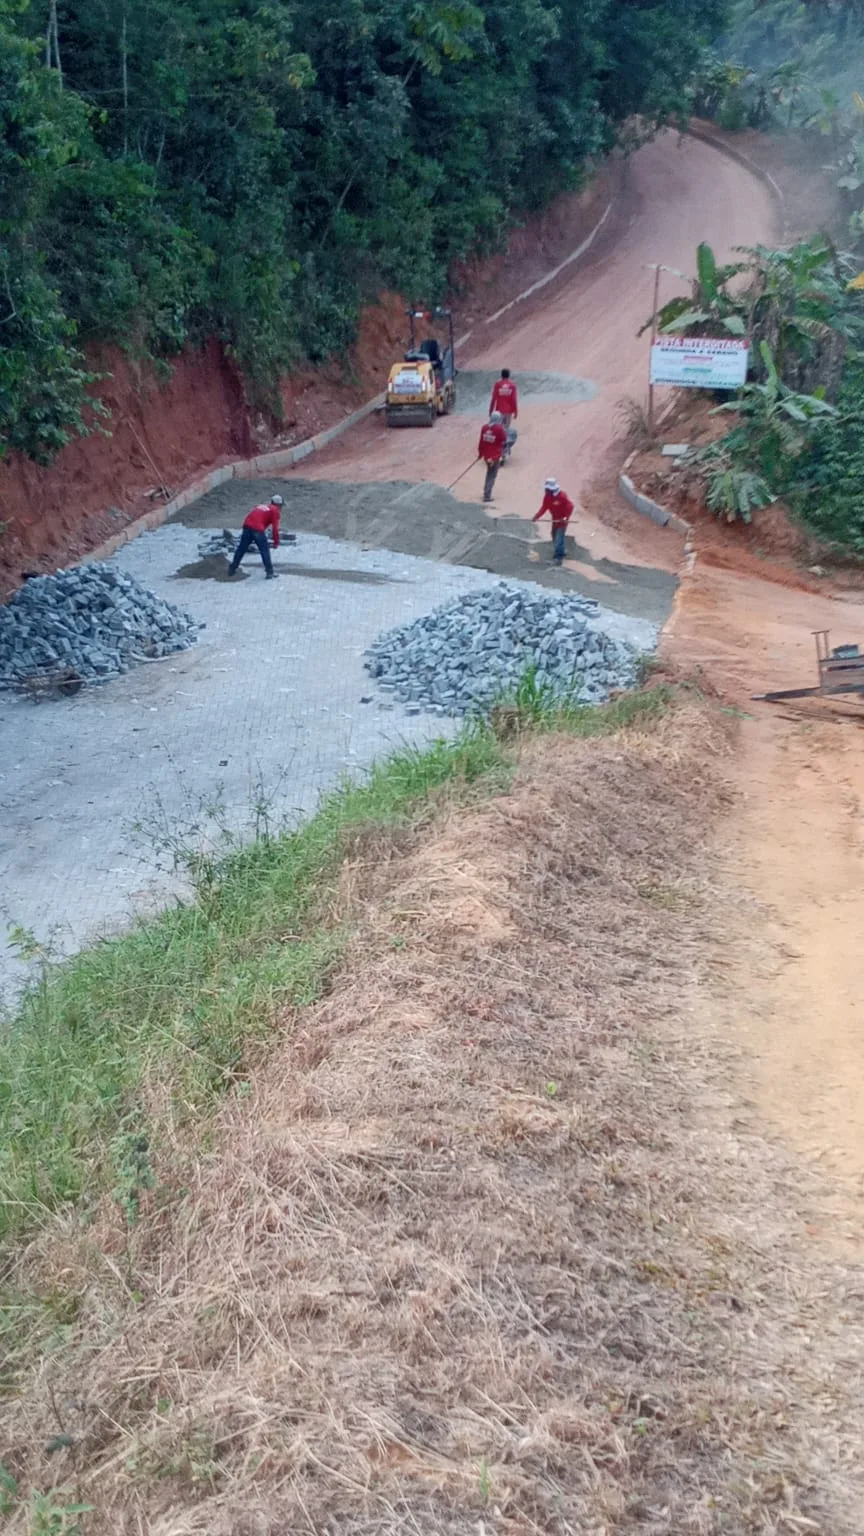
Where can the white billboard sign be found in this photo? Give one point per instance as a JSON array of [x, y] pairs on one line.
[[699, 362]]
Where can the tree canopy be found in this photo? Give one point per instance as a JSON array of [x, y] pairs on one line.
[[256, 169]]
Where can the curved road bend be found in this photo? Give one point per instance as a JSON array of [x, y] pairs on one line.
[[679, 191]]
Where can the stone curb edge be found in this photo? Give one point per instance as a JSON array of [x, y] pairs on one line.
[[648, 508], [660, 515], [285, 458]]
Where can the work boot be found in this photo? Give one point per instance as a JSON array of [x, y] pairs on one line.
[[270, 575]]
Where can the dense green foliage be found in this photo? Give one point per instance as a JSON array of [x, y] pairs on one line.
[[796, 66], [255, 169], [825, 485], [786, 64], [798, 421]]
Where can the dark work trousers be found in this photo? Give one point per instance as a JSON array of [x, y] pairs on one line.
[[558, 542], [248, 537], [491, 477]]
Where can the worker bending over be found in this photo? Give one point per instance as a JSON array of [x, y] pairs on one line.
[[491, 449], [560, 508], [254, 531]]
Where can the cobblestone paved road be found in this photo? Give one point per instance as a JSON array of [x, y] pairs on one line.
[[270, 697]]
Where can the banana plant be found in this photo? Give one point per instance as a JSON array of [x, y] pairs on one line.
[[798, 304], [776, 422], [710, 306], [827, 117]]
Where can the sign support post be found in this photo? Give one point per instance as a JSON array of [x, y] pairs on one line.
[[653, 339]]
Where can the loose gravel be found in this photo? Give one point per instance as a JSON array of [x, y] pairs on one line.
[[87, 624], [468, 654]]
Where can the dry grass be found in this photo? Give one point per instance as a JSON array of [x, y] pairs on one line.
[[479, 1251]]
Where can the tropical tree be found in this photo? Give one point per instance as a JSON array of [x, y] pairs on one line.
[[257, 169], [774, 427], [779, 422], [799, 305]]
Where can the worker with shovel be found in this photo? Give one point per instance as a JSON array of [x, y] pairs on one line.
[[560, 508], [254, 531], [491, 449]]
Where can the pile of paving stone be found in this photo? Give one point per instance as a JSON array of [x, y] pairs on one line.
[[88, 624], [469, 654], [223, 542]]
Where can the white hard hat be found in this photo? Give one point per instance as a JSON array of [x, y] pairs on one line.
[[496, 416], [552, 485], [277, 501]]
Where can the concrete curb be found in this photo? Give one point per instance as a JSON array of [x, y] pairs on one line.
[[550, 277], [286, 458], [240, 469], [648, 508], [665, 519]]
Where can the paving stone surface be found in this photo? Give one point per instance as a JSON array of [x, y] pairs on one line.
[[268, 705]]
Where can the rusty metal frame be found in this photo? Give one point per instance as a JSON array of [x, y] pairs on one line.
[[837, 674]]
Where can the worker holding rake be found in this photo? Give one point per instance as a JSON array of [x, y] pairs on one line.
[[560, 508], [491, 449]]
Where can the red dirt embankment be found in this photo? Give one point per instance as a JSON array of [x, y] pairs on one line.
[[774, 546], [163, 433]]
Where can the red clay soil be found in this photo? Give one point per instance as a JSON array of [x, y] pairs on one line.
[[164, 433], [160, 434], [774, 545]]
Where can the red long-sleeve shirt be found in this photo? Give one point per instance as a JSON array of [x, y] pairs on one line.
[[264, 517], [559, 505], [493, 441], [505, 398]]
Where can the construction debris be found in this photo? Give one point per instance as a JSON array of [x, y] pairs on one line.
[[469, 654], [85, 625], [220, 542]]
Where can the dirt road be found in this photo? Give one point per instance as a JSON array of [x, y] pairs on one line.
[[679, 192], [794, 848], [795, 844], [576, 352]]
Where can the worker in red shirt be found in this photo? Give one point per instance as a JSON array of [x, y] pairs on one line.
[[560, 508], [493, 442], [505, 398], [254, 531]]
